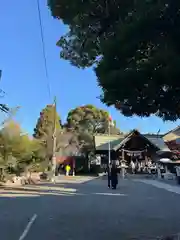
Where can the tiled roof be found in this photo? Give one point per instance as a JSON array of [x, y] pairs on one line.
[[152, 135], [173, 130], [159, 143], [113, 144], [103, 145], [102, 141]]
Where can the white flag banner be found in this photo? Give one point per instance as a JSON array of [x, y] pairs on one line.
[[128, 151], [134, 153]]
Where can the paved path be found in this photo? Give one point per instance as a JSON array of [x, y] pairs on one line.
[[163, 185], [74, 179], [72, 211]]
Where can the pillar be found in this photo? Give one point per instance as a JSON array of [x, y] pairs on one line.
[[122, 167], [158, 171], [73, 167], [166, 169]]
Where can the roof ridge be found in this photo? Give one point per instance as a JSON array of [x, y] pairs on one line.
[[107, 134], [172, 130]]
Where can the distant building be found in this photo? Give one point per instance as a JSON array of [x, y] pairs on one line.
[[172, 139], [172, 135], [131, 146], [67, 148]]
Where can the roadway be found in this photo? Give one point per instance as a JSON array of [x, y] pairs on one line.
[[74, 211]]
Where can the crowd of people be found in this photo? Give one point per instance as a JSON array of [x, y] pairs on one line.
[[134, 167], [143, 167]]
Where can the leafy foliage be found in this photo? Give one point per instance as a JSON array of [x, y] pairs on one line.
[[9, 135], [45, 129], [89, 119], [16, 149], [85, 121], [45, 123], [21, 153], [134, 46]]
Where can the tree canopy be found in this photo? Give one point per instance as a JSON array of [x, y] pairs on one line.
[[86, 121], [134, 48], [44, 129], [21, 153], [17, 149], [90, 119], [45, 123]]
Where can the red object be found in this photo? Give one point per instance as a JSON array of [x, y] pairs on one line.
[[174, 147], [66, 160], [110, 118]]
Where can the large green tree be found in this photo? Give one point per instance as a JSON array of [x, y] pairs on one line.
[[17, 149], [90, 119], [134, 46], [45, 123], [86, 121], [44, 129]]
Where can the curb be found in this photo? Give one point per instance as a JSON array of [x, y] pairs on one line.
[[20, 188], [16, 189]]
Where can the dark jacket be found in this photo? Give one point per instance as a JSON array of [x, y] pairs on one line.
[[114, 175]]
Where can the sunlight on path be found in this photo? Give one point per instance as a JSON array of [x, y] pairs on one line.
[[37, 192], [165, 186], [49, 188]]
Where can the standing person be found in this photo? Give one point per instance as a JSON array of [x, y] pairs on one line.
[[109, 175], [123, 169], [114, 177], [132, 167], [159, 171], [178, 174], [153, 170], [68, 169]]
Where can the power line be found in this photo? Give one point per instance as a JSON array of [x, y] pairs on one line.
[[54, 144], [53, 160], [43, 48]]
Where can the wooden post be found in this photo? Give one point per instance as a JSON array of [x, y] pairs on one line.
[[73, 167], [122, 167], [158, 171], [123, 154]]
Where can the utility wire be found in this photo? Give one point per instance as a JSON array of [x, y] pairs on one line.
[[43, 48], [53, 160]]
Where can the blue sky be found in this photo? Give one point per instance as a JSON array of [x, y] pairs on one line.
[[24, 79]]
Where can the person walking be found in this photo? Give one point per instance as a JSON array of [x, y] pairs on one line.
[[114, 177]]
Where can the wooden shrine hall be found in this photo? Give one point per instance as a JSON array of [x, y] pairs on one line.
[[133, 146]]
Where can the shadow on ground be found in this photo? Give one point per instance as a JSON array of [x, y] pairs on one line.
[[60, 189], [90, 211]]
